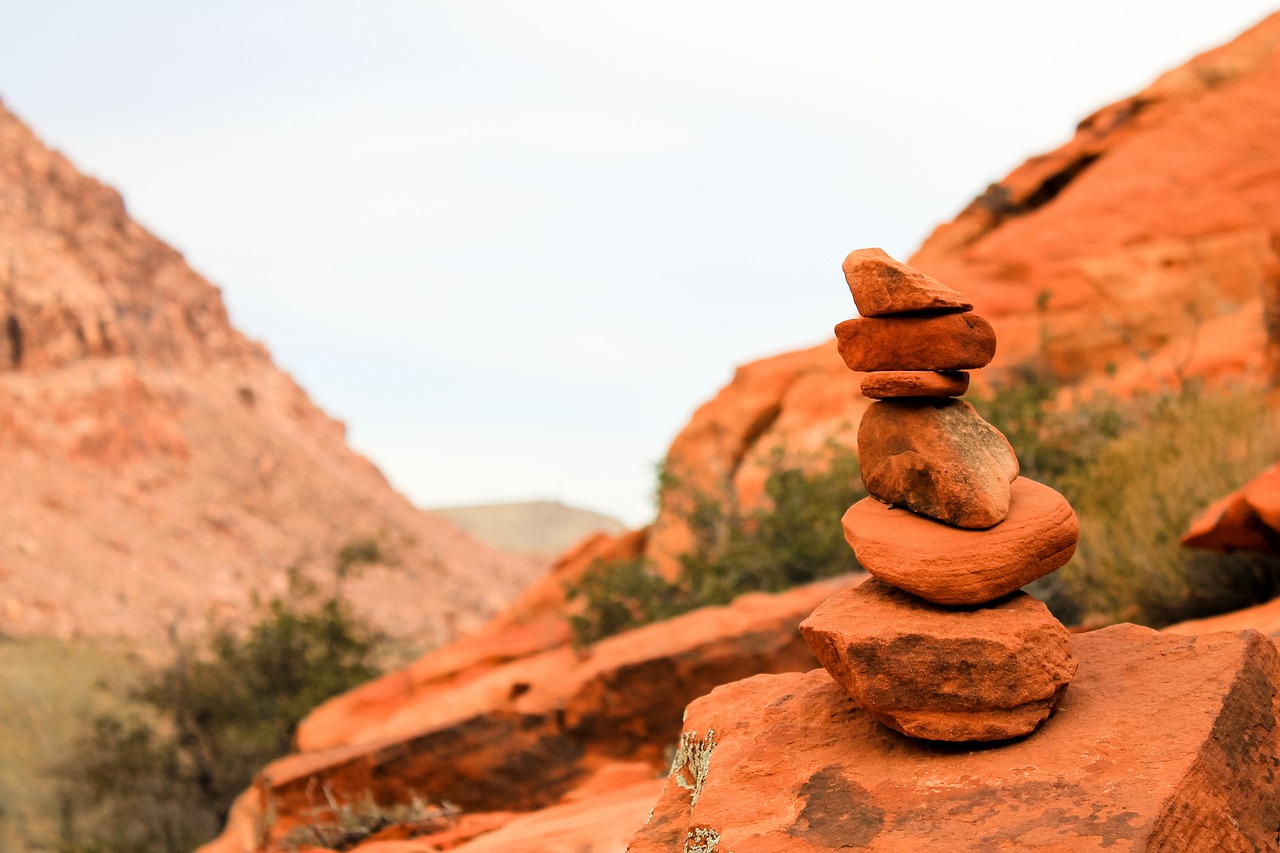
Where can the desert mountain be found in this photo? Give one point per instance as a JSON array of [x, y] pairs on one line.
[[158, 468]]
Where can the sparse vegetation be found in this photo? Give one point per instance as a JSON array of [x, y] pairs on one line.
[[1137, 471], [160, 775], [794, 537], [340, 824]]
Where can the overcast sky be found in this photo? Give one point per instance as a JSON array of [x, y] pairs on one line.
[[513, 245]]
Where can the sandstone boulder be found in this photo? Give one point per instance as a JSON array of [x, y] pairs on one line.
[[881, 285], [939, 458], [943, 673], [888, 384], [1163, 743], [1248, 518], [951, 565], [916, 342]]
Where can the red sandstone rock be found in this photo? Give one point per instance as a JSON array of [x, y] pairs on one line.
[[888, 384], [939, 458], [943, 673], [521, 735], [946, 342], [1248, 518], [881, 285], [1162, 743], [950, 565]]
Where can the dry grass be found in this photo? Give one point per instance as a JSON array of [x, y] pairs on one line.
[[47, 689]]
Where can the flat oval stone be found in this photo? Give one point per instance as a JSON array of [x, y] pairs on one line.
[[881, 285], [951, 565], [939, 458], [943, 673], [892, 384], [912, 342]]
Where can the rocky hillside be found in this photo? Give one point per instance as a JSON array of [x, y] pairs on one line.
[[1144, 251], [158, 467]]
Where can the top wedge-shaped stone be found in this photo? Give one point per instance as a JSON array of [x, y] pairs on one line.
[[881, 286]]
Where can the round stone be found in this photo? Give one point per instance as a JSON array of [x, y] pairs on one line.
[[952, 565]]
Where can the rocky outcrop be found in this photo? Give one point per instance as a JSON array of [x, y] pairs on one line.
[[518, 730], [1143, 251], [1186, 761], [159, 468], [1248, 518]]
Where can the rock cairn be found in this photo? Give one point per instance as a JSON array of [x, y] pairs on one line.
[[940, 643]]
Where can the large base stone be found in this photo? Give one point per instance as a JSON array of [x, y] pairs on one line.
[[1163, 742], [943, 673]]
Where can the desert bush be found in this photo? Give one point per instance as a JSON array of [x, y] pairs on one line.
[[1138, 490], [792, 538], [160, 776], [342, 824]]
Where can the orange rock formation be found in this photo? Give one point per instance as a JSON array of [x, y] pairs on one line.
[[159, 468], [1144, 250]]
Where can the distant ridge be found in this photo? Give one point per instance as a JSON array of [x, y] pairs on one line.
[[538, 528]]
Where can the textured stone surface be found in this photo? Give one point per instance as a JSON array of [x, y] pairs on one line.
[[911, 342], [943, 673], [939, 458], [520, 733], [1248, 518], [1162, 743], [888, 384], [880, 285], [951, 565]]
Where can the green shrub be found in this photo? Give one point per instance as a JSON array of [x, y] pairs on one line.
[[161, 777], [795, 537], [1136, 493]]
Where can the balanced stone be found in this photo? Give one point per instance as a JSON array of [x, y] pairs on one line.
[[942, 673], [915, 342], [939, 458], [951, 565], [891, 384], [881, 285]]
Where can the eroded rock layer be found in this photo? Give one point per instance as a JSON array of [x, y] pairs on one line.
[[1187, 762]]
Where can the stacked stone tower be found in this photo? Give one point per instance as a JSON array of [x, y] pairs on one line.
[[940, 643]]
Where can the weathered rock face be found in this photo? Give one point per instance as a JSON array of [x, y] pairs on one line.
[[1150, 240], [942, 673], [950, 565], [158, 466], [518, 730], [939, 458], [1189, 761]]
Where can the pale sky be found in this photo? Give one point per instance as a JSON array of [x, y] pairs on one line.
[[513, 245]]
